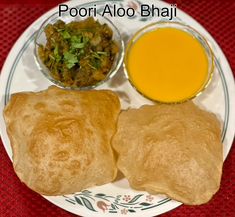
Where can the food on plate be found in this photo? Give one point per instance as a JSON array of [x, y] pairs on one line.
[[78, 53], [61, 138], [171, 149], [168, 64]]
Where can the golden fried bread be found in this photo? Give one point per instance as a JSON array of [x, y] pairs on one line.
[[171, 149], [61, 138]]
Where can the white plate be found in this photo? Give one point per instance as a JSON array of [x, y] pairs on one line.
[[20, 73]]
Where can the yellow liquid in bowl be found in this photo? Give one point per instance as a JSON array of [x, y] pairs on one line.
[[167, 65]]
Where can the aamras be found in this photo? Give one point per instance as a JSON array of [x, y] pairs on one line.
[[169, 62]]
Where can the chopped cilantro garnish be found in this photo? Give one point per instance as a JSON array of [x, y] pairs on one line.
[[78, 45], [95, 63], [95, 55], [65, 34], [92, 66], [56, 54], [76, 42], [53, 58], [85, 39], [70, 59]]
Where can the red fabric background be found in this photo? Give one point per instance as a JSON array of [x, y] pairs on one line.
[[16, 200]]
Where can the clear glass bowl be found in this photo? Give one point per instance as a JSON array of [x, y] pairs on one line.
[[194, 33], [41, 39]]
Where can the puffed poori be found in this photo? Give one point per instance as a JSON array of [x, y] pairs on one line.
[[171, 149], [61, 138]]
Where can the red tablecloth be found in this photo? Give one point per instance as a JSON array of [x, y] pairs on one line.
[[217, 16]]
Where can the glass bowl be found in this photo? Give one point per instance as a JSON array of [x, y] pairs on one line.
[[40, 39], [191, 31]]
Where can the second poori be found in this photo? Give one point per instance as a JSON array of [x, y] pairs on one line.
[[171, 149]]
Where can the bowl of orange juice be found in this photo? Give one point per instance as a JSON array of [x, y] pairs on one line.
[[169, 62]]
